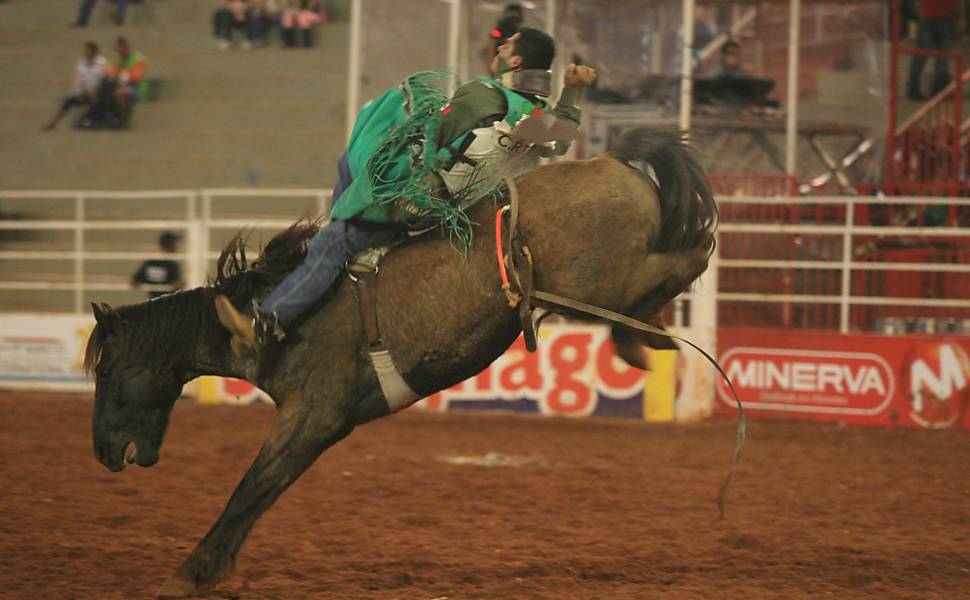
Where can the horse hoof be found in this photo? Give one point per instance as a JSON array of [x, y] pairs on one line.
[[176, 587]]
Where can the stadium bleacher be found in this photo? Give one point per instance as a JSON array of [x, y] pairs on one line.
[[266, 116]]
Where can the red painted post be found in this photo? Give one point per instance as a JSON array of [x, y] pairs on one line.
[[957, 118]]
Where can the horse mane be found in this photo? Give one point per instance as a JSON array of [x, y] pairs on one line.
[[164, 324], [240, 280], [687, 207]]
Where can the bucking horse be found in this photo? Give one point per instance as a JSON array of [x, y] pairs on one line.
[[627, 231]]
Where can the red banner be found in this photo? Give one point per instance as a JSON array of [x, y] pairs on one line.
[[909, 381]]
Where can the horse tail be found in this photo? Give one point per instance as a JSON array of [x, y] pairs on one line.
[[687, 207]]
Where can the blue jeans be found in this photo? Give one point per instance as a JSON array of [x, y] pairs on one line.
[[87, 5], [223, 22], [344, 178], [329, 250]]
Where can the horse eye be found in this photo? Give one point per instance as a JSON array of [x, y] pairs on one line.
[[102, 371]]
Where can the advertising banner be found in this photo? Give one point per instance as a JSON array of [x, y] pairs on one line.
[[44, 351], [574, 373], [906, 381]]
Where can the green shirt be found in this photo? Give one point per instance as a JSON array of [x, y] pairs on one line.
[[133, 68], [476, 105], [404, 111]]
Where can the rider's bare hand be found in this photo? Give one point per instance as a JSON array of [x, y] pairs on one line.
[[578, 76]]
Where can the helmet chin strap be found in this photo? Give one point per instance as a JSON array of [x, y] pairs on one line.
[[528, 81]]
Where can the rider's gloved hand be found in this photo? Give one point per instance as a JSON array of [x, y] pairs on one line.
[[578, 76]]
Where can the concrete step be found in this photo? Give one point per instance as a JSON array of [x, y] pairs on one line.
[[323, 87], [311, 116], [126, 172], [43, 40], [144, 38], [38, 13], [45, 64], [195, 143], [223, 118]]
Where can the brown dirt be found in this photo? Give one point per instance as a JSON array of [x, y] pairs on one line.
[[606, 510]]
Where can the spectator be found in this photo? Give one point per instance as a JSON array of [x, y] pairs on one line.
[[128, 77], [937, 30], [236, 14], [266, 19], [730, 65], [160, 272], [508, 24], [91, 70], [298, 20], [84, 14]]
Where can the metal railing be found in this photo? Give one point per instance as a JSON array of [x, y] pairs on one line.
[[836, 263], [929, 145], [77, 229]]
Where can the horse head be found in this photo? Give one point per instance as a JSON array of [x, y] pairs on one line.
[[134, 393]]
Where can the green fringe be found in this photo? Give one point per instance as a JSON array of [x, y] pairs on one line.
[[414, 138]]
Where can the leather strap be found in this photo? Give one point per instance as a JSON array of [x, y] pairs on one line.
[[524, 278], [520, 266], [518, 253], [367, 301], [396, 391], [554, 301]]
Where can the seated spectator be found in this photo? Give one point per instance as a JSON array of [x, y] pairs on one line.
[[91, 70], [236, 14], [160, 272], [297, 21], [266, 20], [84, 14], [128, 75], [730, 65]]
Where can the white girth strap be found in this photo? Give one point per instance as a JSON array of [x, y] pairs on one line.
[[396, 391]]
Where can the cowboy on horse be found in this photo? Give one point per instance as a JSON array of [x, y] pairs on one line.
[[417, 160]]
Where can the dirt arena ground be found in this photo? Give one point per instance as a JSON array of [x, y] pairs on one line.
[[593, 509]]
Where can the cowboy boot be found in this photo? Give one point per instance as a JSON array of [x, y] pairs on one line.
[[248, 335]]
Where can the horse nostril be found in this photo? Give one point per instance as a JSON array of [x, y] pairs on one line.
[[99, 453]]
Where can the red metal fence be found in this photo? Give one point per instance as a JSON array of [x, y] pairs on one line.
[[844, 264]]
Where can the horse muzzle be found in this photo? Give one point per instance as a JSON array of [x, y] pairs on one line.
[[115, 459]]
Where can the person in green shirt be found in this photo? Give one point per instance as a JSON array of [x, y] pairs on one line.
[[416, 159], [129, 77]]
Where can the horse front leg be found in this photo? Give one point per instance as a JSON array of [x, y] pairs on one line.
[[299, 435]]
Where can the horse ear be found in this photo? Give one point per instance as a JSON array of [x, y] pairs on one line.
[[106, 317], [101, 312]]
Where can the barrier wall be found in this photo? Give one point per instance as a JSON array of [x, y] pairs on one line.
[[44, 352], [909, 381], [574, 373]]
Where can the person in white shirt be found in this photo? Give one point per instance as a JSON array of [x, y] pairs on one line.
[[91, 70]]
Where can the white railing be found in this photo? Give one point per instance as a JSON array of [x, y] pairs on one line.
[[847, 232], [205, 217], [195, 215]]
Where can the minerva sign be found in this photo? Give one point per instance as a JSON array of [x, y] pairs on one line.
[[810, 381], [914, 381]]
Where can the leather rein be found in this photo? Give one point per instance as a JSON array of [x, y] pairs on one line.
[[516, 266]]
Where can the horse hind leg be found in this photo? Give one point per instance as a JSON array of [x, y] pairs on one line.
[[666, 276], [299, 435]]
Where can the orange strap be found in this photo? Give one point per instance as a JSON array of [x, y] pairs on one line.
[[512, 297]]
